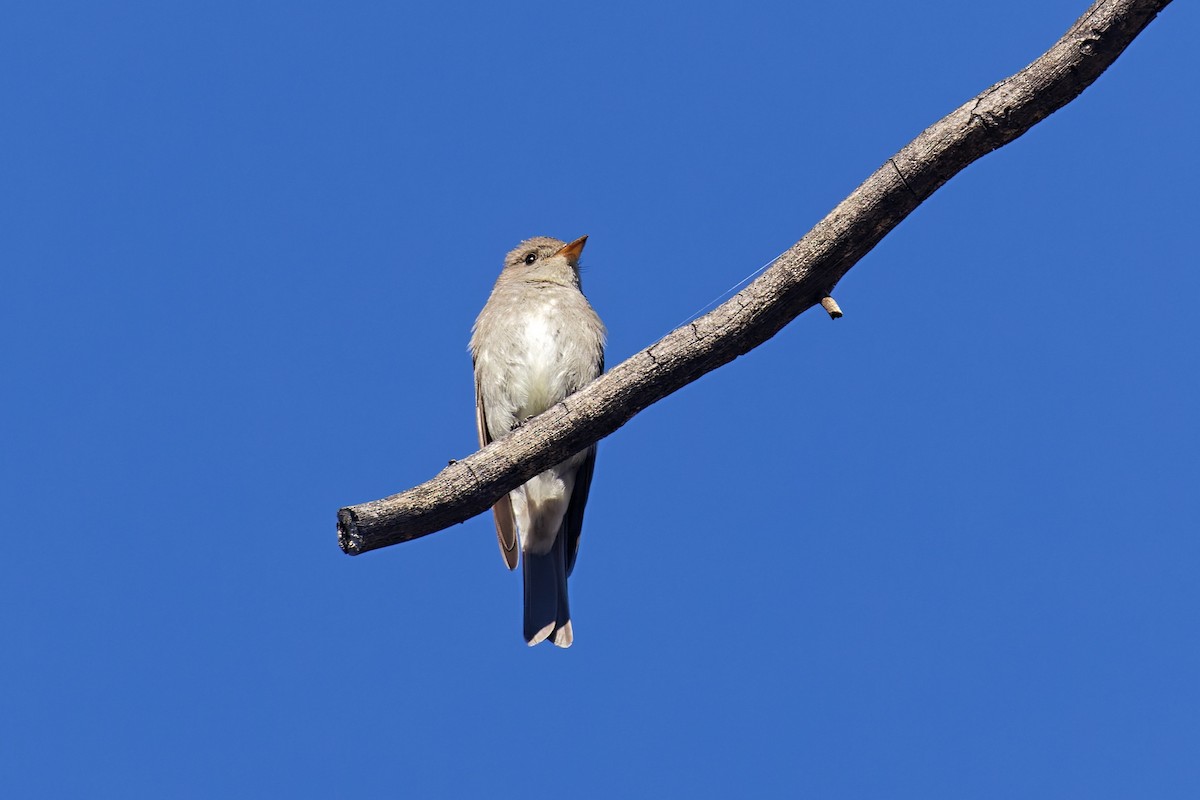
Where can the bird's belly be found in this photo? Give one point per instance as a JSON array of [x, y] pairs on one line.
[[540, 378], [539, 505]]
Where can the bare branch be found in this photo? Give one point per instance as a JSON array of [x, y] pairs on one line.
[[800, 278]]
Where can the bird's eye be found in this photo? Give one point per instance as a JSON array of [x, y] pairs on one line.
[[530, 257]]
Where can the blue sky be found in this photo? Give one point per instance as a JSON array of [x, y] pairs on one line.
[[943, 547]]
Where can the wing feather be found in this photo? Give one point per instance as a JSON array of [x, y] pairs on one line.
[[506, 527], [579, 495]]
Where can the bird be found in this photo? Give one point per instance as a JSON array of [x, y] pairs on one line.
[[536, 341]]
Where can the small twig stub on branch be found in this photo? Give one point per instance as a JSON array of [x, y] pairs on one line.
[[831, 307]]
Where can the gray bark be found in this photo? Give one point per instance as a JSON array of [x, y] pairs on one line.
[[799, 279]]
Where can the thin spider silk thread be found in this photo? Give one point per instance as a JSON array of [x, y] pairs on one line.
[[704, 309]]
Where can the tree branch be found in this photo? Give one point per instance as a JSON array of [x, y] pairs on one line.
[[799, 279]]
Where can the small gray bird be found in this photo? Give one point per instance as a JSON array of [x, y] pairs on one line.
[[536, 341]]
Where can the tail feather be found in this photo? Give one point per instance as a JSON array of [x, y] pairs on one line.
[[547, 614]]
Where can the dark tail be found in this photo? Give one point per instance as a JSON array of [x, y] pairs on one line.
[[547, 615]]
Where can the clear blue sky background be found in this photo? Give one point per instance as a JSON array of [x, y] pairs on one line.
[[944, 547]]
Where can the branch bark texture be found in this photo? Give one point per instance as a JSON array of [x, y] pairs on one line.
[[799, 279]]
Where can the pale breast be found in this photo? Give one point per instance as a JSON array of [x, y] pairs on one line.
[[538, 351], [541, 373]]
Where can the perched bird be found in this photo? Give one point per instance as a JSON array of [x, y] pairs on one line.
[[536, 341]]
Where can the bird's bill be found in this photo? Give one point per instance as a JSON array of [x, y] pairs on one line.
[[571, 251]]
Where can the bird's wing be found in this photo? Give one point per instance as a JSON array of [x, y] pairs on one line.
[[573, 521], [506, 527]]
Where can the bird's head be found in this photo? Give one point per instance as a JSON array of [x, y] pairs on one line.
[[544, 258]]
